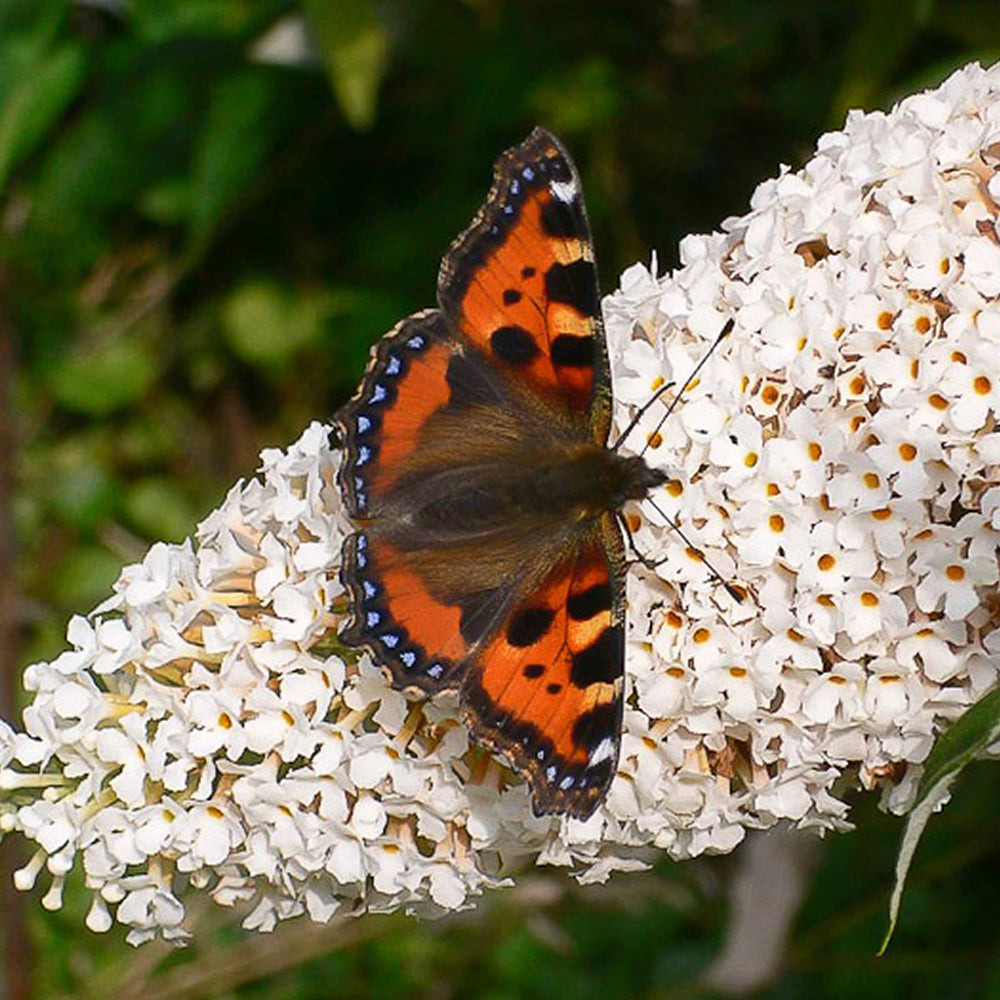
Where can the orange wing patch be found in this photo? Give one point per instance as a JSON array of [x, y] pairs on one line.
[[547, 690], [520, 282], [406, 382], [409, 631]]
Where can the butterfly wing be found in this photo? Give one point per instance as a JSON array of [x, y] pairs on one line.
[[521, 284], [546, 690]]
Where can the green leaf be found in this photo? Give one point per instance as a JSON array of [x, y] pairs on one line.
[[355, 46], [98, 382], [38, 84], [159, 508], [235, 136], [957, 747], [266, 324]]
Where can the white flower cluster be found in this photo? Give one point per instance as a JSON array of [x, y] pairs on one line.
[[837, 458]]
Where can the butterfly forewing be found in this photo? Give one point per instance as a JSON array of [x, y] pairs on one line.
[[521, 282]]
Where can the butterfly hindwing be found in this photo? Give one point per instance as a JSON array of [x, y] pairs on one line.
[[521, 284], [546, 691]]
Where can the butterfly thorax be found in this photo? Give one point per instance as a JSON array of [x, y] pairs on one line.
[[533, 487]]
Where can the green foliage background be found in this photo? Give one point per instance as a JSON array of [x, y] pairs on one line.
[[197, 249]]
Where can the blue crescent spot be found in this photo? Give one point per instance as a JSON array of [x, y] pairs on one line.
[[494, 230], [364, 453], [373, 618], [567, 782], [540, 755], [508, 210], [415, 343], [378, 394], [392, 368], [435, 670], [370, 589], [515, 187], [362, 542], [551, 772], [390, 639], [361, 499], [408, 658], [361, 560], [528, 174], [364, 424]]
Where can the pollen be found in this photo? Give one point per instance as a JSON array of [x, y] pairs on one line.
[[857, 385], [914, 368], [801, 344], [215, 812], [287, 719], [955, 573], [837, 679], [634, 522], [871, 480], [982, 385], [772, 489], [868, 599], [694, 555], [701, 635], [826, 601], [673, 619], [675, 488], [224, 721], [907, 452], [737, 671], [937, 401], [884, 320], [814, 451], [890, 678], [675, 672], [655, 439], [856, 421], [838, 333], [922, 324], [826, 562], [959, 358], [769, 395], [776, 522], [882, 514], [750, 459], [793, 635], [925, 633], [944, 266], [656, 383]]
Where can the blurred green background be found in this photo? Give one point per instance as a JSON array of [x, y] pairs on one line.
[[209, 209]]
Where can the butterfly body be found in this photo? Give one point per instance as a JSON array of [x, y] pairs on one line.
[[486, 558]]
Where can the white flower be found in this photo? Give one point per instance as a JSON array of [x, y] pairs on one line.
[[835, 459]]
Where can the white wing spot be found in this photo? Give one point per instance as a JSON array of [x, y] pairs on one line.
[[564, 190], [605, 750]]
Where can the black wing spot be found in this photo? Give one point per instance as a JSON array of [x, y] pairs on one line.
[[528, 272], [529, 625], [600, 722], [600, 662], [574, 285], [511, 296], [533, 671], [553, 688], [560, 220], [514, 345], [573, 352], [586, 603]]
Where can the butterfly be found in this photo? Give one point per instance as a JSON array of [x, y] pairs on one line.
[[487, 557]]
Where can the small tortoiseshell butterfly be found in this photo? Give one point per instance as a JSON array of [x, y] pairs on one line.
[[487, 558]]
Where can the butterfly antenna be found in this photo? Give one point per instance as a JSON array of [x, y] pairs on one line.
[[640, 414], [730, 589], [726, 330]]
